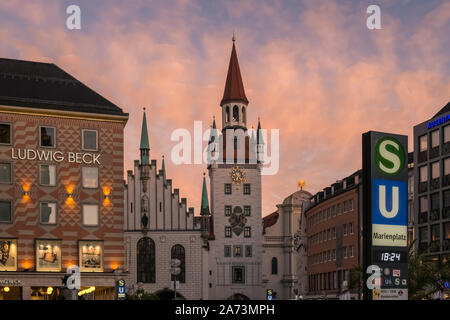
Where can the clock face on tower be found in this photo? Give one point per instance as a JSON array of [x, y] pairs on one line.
[[237, 175]]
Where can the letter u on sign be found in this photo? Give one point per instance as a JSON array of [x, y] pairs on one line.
[[382, 202], [389, 202]]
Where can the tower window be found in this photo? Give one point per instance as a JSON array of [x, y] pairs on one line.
[[236, 113], [247, 232], [227, 250], [274, 265], [238, 274], [227, 188], [238, 251], [244, 117], [227, 114], [247, 210], [246, 188], [227, 232], [228, 210], [248, 251]]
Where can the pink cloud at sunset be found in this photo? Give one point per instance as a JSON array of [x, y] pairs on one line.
[[311, 69]]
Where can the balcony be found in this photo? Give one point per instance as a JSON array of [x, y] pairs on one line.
[[434, 152], [446, 213], [423, 186], [446, 245], [446, 148], [435, 246], [423, 217], [422, 156], [446, 180], [423, 246], [434, 215], [435, 184]]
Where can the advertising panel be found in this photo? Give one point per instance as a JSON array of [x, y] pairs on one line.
[[385, 203]]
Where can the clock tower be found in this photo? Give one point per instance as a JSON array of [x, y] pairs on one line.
[[235, 245]]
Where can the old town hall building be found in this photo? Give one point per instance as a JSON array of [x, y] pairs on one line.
[[235, 228]]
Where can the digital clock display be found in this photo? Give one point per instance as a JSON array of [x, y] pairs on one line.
[[389, 256]]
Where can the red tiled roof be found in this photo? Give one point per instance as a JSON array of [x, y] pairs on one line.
[[270, 219], [234, 87]]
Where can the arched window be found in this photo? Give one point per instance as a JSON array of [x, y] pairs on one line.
[[145, 252], [236, 113], [274, 265], [244, 117], [227, 111], [178, 252]]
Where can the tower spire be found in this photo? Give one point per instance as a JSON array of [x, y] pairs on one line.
[[234, 87], [145, 146], [204, 209]]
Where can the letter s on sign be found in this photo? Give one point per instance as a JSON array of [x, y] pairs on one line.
[[389, 156]]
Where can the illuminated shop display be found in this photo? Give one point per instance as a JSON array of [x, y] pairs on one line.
[[91, 256], [8, 255], [48, 255]]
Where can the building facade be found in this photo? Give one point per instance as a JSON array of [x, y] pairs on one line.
[[61, 185], [284, 248], [235, 227], [432, 185], [334, 241], [160, 227]]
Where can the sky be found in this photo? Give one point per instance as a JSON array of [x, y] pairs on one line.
[[311, 69]]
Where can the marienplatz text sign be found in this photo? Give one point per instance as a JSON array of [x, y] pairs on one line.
[[385, 212]]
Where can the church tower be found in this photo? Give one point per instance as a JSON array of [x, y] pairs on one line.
[[234, 259]]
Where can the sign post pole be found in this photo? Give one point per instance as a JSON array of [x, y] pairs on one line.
[[385, 203]]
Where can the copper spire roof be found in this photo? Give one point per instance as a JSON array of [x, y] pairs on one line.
[[234, 87]]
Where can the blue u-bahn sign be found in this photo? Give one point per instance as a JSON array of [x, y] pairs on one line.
[[385, 203]]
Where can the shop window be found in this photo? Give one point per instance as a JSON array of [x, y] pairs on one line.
[[48, 174], [11, 293], [5, 211], [447, 230], [178, 252], [90, 140], [247, 232], [90, 215], [146, 268], [5, 133], [274, 265], [5, 173], [91, 255], [90, 177], [47, 137], [8, 255], [48, 212], [48, 255], [238, 274]]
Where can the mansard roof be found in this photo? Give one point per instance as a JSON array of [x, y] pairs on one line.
[[46, 86]]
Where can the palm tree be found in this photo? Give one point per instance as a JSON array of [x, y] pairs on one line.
[[426, 277]]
